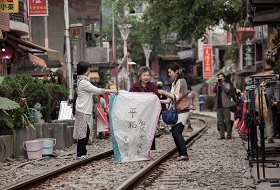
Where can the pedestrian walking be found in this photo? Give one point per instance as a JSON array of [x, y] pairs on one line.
[[191, 96], [179, 89], [84, 104], [201, 101]]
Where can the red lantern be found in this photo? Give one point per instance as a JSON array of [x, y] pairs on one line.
[[243, 34]]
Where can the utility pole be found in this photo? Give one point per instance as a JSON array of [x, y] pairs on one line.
[[46, 32], [101, 26], [68, 52]]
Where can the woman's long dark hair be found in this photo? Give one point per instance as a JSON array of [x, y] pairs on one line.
[[177, 69]]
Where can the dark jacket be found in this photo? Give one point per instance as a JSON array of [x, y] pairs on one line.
[[151, 87], [225, 94]]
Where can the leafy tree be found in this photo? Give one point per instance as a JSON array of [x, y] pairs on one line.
[[136, 38], [185, 17]]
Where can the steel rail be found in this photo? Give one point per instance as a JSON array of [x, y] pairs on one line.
[[140, 176], [63, 169], [36, 181]]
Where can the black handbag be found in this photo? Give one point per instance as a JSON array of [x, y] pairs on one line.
[[170, 116]]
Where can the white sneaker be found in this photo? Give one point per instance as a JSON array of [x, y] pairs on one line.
[[81, 157]]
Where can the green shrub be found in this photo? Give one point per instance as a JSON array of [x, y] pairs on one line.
[[35, 91], [209, 102], [58, 93]]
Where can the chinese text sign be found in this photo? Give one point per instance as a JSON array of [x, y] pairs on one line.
[[37, 8], [207, 61], [8, 6]]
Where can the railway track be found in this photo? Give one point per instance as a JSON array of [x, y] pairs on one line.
[[138, 178]]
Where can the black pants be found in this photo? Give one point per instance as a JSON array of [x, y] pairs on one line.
[[81, 145], [153, 144], [179, 139]]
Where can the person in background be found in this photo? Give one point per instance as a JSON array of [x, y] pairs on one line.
[[222, 90], [162, 97], [239, 104], [179, 88], [191, 96], [269, 121], [102, 102], [201, 101], [145, 85], [103, 105], [275, 113], [84, 104], [188, 125], [161, 124]]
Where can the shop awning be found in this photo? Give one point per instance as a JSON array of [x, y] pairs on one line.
[[40, 60], [52, 54], [248, 79], [261, 74], [36, 60], [169, 56]]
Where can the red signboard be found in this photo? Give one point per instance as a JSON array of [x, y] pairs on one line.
[[38, 8], [207, 61]]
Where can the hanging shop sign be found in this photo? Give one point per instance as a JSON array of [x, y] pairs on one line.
[[38, 8], [248, 57], [185, 54], [8, 6], [207, 61]]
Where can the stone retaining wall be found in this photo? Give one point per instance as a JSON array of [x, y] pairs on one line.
[[62, 131]]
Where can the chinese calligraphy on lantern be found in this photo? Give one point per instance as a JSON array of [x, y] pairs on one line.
[[207, 61], [134, 118]]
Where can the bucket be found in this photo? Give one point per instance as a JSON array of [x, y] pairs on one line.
[[48, 145], [33, 148]]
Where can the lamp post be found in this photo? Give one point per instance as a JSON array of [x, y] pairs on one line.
[[124, 30], [147, 50]]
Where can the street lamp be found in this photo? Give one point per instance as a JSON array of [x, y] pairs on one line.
[[147, 50], [124, 30]]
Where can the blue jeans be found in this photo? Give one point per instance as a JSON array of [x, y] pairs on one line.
[[179, 139], [201, 106]]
